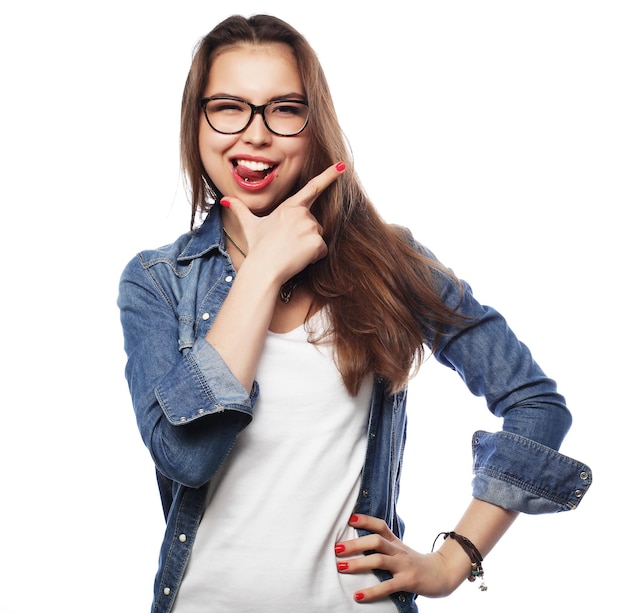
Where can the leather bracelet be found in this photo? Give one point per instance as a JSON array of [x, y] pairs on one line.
[[472, 552]]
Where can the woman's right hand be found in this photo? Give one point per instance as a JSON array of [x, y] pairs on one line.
[[290, 238]]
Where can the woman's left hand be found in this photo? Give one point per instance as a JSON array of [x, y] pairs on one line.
[[417, 573]]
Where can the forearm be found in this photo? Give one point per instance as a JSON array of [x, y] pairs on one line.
[[240, 327], [483, 524]]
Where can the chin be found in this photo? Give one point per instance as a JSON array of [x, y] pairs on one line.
[[260, 204], [261, 211]]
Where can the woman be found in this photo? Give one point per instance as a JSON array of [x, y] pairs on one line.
[[269, 351]]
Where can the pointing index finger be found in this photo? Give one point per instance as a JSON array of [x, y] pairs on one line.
[[310, 192]]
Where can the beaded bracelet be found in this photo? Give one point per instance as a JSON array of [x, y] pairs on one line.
[[473, 554]]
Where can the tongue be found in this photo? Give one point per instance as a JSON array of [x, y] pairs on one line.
[[252, 175]]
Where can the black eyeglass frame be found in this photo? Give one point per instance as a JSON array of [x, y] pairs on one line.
[[254, 110]]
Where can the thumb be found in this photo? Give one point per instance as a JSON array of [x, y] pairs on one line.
[[237, 208], [240, 219]]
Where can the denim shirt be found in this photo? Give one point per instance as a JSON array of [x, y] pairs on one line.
[[190, 408]]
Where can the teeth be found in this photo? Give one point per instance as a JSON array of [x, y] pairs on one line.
[[253, 165]]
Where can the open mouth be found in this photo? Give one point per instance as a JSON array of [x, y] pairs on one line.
[[251, 171]]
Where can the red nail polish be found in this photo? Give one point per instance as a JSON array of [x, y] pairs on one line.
[[339, 548], [340, 166], [225, 202], [342, 566], [354, 518], [359, 596]]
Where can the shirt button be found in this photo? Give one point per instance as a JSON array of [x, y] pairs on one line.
[[205, 316], [182, 538], [228, 279], [578, 493], [584, 476], [166, 591]]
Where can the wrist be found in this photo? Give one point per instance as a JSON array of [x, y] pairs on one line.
[[464, 558], [259, 276]]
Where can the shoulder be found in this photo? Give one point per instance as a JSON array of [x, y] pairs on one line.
[[146, 258], [184, 250], [406, 235], [170, 251]]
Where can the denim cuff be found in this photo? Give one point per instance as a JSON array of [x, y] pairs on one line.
[[519, 474], [202, 384]]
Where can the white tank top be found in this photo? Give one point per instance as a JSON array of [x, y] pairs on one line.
[[284, 496]]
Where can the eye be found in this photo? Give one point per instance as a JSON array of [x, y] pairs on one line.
[[227, 106], [288, 108]]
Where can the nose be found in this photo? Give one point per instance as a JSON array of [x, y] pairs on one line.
[[257, 133]]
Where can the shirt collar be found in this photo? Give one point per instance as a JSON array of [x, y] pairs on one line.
[[207, 237]]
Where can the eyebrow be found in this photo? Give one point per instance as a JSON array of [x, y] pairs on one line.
[[289, 96]]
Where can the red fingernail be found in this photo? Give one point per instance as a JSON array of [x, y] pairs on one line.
[[225, 202], [354, 518], [340, 166], [359, 596], [342, 566], [339, 548]]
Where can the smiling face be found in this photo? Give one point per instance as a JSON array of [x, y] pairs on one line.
[[256, 166]]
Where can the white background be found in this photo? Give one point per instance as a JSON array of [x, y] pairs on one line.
[[504, 153]]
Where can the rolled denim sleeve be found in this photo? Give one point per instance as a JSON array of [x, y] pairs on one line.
[[520, 467], [201, 384], [188, 405], [517, 473]]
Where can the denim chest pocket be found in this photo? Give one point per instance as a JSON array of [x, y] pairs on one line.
[[191, 328], [197, 320], [186, 332]]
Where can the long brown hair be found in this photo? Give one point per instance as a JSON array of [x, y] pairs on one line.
[[381, 292]]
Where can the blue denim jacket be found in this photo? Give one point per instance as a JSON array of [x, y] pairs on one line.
[[190, 408]]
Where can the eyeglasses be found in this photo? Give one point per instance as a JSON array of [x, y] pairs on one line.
[[228, 115]]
